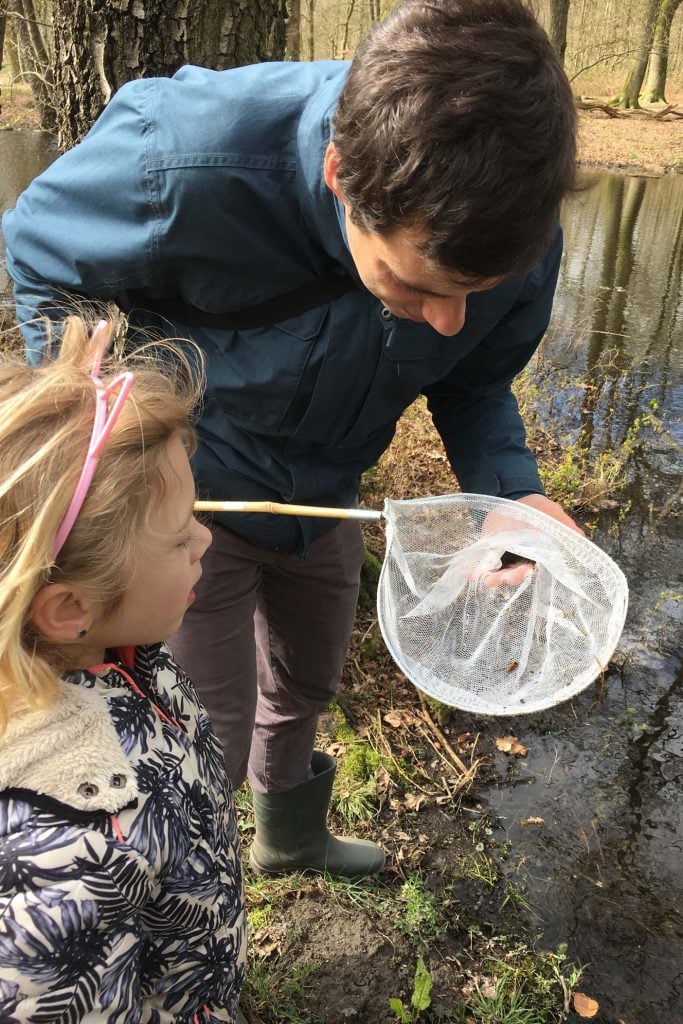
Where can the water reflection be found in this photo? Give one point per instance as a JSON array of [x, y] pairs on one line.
[[604, 869], [619, 307]]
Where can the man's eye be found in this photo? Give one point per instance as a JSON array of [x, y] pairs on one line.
[[185, 542]]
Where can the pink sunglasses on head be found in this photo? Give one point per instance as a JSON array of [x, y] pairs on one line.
[[103, 425]]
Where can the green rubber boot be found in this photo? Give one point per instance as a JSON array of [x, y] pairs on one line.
[[292, 835]]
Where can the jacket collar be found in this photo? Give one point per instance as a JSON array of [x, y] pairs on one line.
[[322, 211], [70, 752]]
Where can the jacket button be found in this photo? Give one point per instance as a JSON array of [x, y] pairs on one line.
[[386, 313], [118, 781], [88, 790]]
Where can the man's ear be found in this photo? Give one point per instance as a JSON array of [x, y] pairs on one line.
[[59, 613], [330, 168]]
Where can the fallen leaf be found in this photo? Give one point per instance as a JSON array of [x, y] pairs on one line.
[[414, 801], [393, 718], [382, 782], [531, 821], [584, 1005], [511, 745]]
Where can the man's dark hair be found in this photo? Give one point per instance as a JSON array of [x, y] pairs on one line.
[[457, 116]]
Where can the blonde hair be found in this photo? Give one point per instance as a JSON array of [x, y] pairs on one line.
[[46, 419]]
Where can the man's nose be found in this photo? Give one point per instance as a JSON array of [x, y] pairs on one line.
[[445, 315]]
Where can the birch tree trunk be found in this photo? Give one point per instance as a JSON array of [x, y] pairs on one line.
[[101, 44]]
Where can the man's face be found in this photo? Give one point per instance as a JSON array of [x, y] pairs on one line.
[[392, 267]]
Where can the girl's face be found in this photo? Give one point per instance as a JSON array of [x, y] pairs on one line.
[[166, 566]]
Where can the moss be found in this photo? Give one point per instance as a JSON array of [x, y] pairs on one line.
[[360, 764], [369, 578]]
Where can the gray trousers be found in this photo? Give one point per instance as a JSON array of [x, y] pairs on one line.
[[265, 644]]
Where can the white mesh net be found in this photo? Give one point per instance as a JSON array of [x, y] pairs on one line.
[[495, 650]]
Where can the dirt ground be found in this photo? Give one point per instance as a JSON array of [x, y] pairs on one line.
[[633, 142]]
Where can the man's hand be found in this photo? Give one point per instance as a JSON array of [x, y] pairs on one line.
[[514, 570], [551, 508]]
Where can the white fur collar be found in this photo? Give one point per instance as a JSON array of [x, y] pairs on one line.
[[69, 752]]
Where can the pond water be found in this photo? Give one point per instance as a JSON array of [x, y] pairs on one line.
[[23, 155], [603, 870]]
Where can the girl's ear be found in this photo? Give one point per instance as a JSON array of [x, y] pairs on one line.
[[59, 613]]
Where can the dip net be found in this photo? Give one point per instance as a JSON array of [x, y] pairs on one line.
[[505, 649]]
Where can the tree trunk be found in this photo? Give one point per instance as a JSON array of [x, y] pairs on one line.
[[347, 25], [557, 25], [629, 95], [33, 38], [310, 10], [11, 54], [659, 55], [101, 44], [294, 30]]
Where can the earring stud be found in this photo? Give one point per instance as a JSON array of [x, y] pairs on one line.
[[81, 633]]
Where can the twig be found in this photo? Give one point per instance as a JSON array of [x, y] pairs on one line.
[[440, 736], [390, 754], [565, 992], [461, 780]]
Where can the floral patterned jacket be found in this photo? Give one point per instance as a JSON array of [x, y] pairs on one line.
[[120, 879]]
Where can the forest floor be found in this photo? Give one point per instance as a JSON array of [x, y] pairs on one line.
[[444, 933]]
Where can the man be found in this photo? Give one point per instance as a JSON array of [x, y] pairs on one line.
[[374, 233]]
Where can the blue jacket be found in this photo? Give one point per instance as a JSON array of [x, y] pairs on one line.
[[208, 186]]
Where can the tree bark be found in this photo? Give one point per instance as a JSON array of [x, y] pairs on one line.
[[347, 25], [294, 30], [101, 44], [310, 11], [557, 25], [33, 38], [628, 98], [659, 55], [11, 51]]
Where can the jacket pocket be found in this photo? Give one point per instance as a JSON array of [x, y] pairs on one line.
[[255, 378]]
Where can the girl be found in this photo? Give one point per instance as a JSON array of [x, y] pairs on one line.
[[120, 878]]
